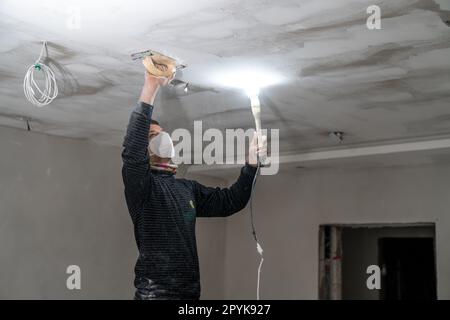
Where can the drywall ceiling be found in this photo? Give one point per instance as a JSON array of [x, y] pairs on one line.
[[332, 72]]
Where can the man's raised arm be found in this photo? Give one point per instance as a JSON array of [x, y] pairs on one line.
[[135, 157]]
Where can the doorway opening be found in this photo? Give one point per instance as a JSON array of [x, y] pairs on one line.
[[377, 262]]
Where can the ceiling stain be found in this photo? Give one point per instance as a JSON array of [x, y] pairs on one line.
[[437, 124], [339, 76]]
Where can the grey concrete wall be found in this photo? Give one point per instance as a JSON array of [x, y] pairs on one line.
[[61, 203], [292, 205]]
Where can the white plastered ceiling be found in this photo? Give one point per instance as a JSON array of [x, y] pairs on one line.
[[376, 86]]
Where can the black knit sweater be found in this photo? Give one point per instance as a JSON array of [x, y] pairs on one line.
[[164, 210]]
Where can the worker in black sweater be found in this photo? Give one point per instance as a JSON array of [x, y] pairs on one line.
[[164, 208]]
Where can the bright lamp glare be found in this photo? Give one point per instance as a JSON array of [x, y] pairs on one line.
[[252, 92], [251, 81]]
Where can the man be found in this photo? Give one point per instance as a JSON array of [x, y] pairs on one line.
[[164, 209]]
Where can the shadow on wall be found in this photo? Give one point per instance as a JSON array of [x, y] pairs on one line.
[[67, 83]]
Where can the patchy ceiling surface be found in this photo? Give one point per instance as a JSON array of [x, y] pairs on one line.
[[334, 73]]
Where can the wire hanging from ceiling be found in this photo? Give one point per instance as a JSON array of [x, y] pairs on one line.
[[256, 111], [37, 96]]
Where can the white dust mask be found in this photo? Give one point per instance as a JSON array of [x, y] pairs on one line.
[[162, 145]]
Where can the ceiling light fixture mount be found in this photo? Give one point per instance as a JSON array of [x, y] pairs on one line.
[[337, 136]]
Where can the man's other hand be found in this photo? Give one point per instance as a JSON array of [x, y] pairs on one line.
[[258, 146]]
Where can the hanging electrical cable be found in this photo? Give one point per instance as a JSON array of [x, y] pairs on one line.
[[258, 246], [256, 111], [32, 91]]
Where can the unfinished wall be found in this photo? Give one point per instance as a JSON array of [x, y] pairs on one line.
[[291, 205], [62, 203]]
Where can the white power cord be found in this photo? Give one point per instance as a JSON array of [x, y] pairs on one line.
[[256, 111], [260, 251], [33, 93]]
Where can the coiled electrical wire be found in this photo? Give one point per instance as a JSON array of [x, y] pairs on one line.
[[37, 96]]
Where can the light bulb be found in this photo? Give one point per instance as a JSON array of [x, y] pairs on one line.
[[252, 92]]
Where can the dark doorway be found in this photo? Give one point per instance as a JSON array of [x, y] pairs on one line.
[[403, 254], [408, 269]]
